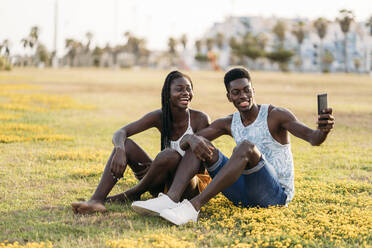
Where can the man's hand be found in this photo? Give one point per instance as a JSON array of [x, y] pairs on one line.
[[326, 120], [118, 163], [201, 147]]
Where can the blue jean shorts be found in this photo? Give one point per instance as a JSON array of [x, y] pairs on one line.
[[256, 187]]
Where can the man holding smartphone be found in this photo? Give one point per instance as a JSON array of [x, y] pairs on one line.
[[260, 171]]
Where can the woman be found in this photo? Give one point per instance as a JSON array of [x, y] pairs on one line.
[[173, 120]]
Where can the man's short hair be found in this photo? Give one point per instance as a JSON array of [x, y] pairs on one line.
[[234, 74]]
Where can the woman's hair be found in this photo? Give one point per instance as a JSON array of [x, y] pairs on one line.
[[167, 119]]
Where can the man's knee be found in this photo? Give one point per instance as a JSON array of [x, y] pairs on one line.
[[247, 151]]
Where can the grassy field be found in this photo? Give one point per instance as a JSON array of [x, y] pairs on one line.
[[55, 136]]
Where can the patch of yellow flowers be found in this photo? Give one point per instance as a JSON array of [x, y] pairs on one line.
[[151, 241], [35, 102], [47, 244], [84, 155], [8, 117], [319, 216], [12, 102]]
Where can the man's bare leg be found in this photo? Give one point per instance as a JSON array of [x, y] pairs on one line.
[[245, 156], [187, 169], [135, 154]]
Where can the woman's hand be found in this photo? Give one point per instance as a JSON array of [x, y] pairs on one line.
[[118, 163]]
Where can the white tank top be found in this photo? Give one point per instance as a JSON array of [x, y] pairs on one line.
[[275, 154], [176, 144]]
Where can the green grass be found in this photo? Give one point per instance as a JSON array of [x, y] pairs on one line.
[[55, 136]]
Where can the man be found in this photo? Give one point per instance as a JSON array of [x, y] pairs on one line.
[[260, 171]]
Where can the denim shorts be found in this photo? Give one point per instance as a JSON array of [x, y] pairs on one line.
[[256, 187]]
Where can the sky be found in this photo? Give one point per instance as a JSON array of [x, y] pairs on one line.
[[153, 20]]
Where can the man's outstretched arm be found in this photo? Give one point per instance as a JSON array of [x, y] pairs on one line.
[[315, 137]]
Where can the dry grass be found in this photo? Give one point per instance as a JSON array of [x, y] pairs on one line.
[[55, 136]]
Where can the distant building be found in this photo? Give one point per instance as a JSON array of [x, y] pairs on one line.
[[358, 37]]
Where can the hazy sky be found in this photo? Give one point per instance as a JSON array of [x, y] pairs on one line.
[[153, 20]]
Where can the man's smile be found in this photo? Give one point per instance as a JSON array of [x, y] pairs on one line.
[[243, 104]]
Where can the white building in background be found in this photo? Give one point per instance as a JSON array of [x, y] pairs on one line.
[[358, 40]]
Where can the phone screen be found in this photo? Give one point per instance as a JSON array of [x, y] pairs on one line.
[[322, 102]]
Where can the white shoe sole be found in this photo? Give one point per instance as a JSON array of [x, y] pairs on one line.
[[169, 218], [173, 220], [144, 211]]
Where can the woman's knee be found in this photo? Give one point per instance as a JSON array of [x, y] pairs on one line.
[[129, 145], [167, 158]]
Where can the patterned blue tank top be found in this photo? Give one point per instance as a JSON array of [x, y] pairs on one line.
[[275, 154]]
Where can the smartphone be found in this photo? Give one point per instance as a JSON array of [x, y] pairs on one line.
[[322, 103]]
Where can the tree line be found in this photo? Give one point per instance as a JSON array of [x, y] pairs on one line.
[[246, 48]]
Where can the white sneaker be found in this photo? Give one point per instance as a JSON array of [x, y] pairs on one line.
[[181, 214], [153, 206]]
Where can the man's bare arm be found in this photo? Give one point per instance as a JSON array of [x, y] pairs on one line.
[[300, 130], [197, 142]]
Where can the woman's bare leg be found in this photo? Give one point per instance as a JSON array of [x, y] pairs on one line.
[[159, 174], [137, 159]]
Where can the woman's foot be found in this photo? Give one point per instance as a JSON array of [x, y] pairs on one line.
[[88, 207], [121, 198]]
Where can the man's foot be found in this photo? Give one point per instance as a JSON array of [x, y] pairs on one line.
[[88, 207], [153, 206], [181, 214], [121, 198]]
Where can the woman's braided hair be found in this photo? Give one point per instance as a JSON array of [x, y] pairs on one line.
[[167, 119]]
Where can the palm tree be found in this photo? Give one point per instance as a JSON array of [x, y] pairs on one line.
[[183, 41], [72, 46], [137, 47], [5, 45], [249, 47], [345, 19], [34, 36], [32, 39], [4, 60], [280, 55], [89, 36], [369, 25], [279, 31], [172, 43], [97, 53], [299, 32], [321, 25]]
